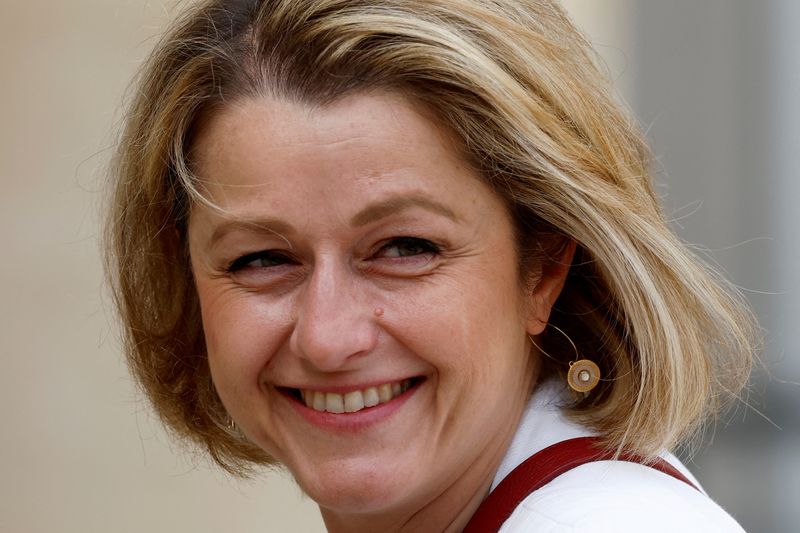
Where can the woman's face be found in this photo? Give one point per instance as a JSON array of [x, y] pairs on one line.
[[361, 300]]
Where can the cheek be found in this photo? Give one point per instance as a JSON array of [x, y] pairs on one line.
[[242, 333], [470, 327]]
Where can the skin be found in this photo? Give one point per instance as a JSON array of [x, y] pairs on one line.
[[364, 251]]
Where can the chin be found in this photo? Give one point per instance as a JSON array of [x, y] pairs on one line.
[[355, 486]]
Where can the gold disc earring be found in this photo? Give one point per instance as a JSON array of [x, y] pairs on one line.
[[583, 374]]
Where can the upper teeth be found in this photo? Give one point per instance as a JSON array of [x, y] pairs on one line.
[[353, 401]]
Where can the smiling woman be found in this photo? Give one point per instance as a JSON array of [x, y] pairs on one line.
[[370, 241], [376, 212]]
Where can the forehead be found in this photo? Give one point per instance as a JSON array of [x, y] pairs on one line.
[[320, 169], [364, 134]]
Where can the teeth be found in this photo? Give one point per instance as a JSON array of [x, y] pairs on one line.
[[354, 401], [334, 403], [385, 392], [319, 400], [371, 397]]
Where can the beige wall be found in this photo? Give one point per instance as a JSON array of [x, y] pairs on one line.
[[80, 452]]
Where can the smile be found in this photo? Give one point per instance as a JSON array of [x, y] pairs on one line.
[[354, 401]]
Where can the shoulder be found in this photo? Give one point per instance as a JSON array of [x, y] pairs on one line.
[[619, 497]]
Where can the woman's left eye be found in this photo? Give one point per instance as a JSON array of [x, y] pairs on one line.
[[407, 247], [259, 260]]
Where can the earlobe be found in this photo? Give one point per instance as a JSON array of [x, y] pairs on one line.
[[547, 289]]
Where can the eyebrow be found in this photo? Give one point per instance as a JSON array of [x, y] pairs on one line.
[[273, 226], [394, 205], [371, 213]]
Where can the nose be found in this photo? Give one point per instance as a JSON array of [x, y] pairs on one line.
[[333, 321]]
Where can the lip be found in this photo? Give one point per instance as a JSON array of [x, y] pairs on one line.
[[350, 422]]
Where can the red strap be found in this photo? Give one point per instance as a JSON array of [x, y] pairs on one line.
[[542, 468]]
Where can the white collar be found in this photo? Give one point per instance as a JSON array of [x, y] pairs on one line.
[[543, 423]]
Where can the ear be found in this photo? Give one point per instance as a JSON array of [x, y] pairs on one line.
[[545, 293]]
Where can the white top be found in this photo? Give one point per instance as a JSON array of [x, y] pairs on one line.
[[604, 496]]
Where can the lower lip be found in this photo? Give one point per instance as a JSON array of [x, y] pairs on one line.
[[357, 421]]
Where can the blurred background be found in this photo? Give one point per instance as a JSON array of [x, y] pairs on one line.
[[714, 83]]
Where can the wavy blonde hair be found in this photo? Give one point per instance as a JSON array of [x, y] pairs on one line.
[[519, 88]]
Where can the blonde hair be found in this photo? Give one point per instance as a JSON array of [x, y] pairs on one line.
[[519, 88]]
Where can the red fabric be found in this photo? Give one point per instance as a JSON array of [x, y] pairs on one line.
[[542, 468]]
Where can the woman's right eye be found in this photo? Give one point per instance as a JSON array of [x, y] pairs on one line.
[[259, 260]]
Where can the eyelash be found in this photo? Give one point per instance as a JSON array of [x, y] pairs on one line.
[[244, 261], [421, 247]]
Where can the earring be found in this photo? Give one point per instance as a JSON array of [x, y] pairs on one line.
[[230, 427], [583, 374]]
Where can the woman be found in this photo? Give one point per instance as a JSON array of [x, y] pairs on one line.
[[400, 247]]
